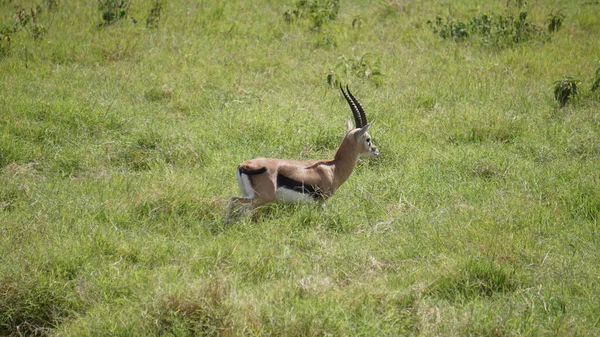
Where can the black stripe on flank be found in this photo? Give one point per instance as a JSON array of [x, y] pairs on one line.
[[250, 172], [300, 187]]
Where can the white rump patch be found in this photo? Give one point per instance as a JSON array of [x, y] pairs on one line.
[[290, 196], [245, 185]]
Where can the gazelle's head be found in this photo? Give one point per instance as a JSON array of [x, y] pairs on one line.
[[359, 135]]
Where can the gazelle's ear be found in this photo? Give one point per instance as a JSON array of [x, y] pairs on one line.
[[349, 125], [362, 131]]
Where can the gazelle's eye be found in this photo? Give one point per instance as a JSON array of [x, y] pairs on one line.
[[368, 140]]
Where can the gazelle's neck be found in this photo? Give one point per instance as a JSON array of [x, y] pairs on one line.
[[344, 162]]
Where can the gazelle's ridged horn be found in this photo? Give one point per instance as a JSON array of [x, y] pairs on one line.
[[353, 107], [361, 111]]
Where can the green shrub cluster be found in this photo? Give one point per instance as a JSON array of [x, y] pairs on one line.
[[317, 11], [495, 30]]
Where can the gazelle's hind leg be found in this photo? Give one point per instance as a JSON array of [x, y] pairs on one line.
[[251, 199], [244, 203]]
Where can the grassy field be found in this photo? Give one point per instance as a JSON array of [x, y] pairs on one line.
[[121, 130]]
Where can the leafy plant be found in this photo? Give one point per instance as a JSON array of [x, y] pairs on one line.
[[155, 13], [565, 89], [5, 41], [318, 11], [555, 20], [451, 29], [113, 10], [497, 30], [28, 20], [365, 67]]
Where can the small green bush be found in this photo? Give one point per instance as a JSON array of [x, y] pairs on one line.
[[565, 89], [113, 10], [555, 20], [153, 18], [318, 11]]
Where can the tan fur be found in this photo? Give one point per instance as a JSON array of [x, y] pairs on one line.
[[326, 175]]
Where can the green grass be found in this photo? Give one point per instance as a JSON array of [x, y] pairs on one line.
[[119, 144]]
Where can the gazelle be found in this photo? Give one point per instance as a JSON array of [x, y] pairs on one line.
[[264, 180]]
